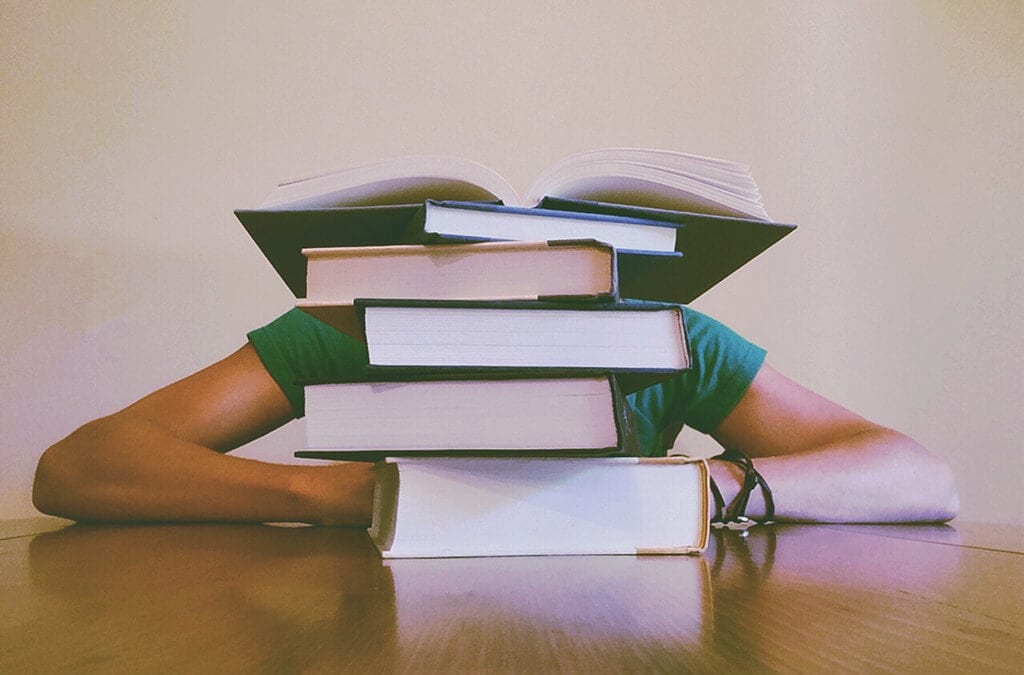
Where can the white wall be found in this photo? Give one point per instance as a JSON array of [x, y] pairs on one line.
[[890, 132]]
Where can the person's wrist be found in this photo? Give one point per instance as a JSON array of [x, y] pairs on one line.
[[337, 495], [728, 476]]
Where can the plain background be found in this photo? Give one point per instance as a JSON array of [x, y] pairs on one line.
[[889, 131]]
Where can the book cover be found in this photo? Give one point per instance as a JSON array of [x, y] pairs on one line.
[[714, 247], [281, 235]]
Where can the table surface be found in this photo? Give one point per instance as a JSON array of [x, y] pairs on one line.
[[227, 598]]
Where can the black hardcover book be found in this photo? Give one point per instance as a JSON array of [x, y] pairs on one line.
[[703, 250], [714, 247], [282, 234], [642, 342]]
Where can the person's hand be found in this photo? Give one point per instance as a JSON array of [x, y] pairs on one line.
[[340, 495]]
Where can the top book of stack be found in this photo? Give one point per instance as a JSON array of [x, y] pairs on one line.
[[713, 206], [655, 178]]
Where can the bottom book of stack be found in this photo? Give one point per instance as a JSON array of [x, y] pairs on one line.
[[427, 507]]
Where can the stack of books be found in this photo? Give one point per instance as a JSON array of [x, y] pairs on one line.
[[503, 339]]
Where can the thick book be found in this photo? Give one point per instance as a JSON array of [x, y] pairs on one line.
[[642, 342], [441, 507], [513, 270], [378, 208], [560, 416]]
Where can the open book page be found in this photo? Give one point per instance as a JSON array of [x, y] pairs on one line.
[[684, 195], [406, 180], [653, 178], [731, 175]]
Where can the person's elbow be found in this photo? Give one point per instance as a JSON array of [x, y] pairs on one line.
[[948, 498], [62, 475], [51, 482], [935, 485]]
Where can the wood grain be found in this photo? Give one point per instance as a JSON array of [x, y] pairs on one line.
[[229, 598]]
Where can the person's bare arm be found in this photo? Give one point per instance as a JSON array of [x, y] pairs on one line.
[[827, 464], [161, 459]]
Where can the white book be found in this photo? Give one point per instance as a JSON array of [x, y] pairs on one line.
[[540, 415], [467, 507], [509, 270], [452, 335]]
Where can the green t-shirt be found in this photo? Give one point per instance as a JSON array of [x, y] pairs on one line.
[[296, 347]]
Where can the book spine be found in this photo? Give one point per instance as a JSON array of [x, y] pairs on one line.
[[611, 295], [674, 278], [385, 504], [625, 420], [684, 337], [414, 233]]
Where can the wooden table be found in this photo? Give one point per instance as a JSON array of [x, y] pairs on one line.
[[232, 598]]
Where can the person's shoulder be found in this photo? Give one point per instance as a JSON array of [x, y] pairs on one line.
[[295, 320], [296, 327], [296, 348]]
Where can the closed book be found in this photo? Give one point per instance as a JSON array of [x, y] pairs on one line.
[[453, 220], [642, 342], [430, 507], [509, 270], [564, 416]]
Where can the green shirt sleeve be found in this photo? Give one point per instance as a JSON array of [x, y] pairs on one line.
[[296, 348], [723, 366]]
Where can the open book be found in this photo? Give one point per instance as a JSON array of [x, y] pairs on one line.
[[651, 178]]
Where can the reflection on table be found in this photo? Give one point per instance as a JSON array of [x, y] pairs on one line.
[[283, 599]]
